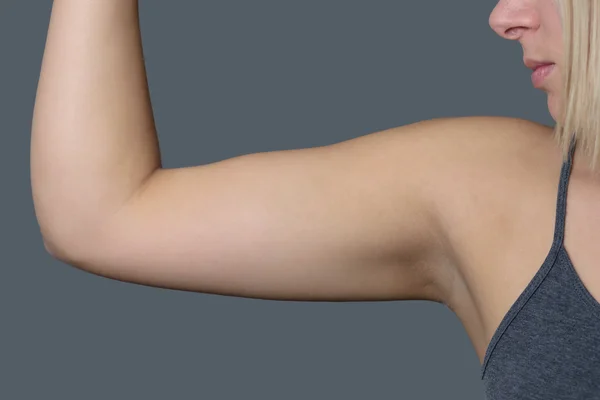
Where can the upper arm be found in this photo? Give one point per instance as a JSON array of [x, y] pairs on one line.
[[356, 220]]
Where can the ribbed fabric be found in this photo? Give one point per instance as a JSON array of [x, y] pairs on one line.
[[547, 346]]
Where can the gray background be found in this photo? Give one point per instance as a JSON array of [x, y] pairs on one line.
[[229, 78]]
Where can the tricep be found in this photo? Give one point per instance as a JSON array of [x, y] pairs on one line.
[[351, 221]]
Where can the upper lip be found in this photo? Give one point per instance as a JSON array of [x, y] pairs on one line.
[[533, 64]]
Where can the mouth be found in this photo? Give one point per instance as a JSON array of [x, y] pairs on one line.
[[540, 74], [541, 70], [542, 66], [534, 64]]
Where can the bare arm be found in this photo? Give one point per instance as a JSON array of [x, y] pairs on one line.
[[93, 135], [357, 220]]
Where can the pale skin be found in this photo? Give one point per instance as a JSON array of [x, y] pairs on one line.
[[331, 223]]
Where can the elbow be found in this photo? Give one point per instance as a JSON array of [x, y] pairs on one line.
[[75, 243], [56, 251], [72, 251], [70, 241]]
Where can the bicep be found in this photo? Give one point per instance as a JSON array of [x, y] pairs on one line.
[[349, 221]]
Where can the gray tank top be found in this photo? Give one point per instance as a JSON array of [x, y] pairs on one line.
[[547, 346]]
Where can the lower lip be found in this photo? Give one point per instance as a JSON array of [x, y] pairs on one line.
[[540, 74]]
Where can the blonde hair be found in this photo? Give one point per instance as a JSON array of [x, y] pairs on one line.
[[580, 96]]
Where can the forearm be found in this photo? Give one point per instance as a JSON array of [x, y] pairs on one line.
[[93, 135]]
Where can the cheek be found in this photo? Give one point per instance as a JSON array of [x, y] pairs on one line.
[[552, 20]]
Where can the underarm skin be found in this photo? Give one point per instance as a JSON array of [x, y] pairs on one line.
[[93, 135]]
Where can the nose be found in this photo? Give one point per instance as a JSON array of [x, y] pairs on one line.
[[512, 18]]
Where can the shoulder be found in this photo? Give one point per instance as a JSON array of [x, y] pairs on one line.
[[465, 154], [476, 141], [475, 173], [498, 134], [497, 146]]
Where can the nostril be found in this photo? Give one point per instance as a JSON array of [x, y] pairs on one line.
[[514, 33]]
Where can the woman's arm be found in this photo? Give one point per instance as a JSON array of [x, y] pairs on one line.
[[356, 220], [93, 136]]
